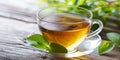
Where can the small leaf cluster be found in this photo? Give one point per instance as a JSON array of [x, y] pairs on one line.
[[107, 46]]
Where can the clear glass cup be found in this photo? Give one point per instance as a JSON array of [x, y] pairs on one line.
[[70, 27]]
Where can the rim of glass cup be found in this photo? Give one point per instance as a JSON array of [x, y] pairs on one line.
[[54, 7]]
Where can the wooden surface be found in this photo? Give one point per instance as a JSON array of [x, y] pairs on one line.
[[15, 26]]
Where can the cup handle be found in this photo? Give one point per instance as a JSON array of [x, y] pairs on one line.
[[98, 30]]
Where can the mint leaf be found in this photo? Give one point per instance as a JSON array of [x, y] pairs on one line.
[[38, 41], [114, 37], [56, 48], [105, 47]]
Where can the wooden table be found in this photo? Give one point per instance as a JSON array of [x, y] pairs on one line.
[[14, 26]]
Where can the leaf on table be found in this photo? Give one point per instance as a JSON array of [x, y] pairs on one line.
[[56, 48], [38, 41], [114, 37], [105, 47]]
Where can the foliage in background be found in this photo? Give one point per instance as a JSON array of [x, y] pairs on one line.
[[102, 9]]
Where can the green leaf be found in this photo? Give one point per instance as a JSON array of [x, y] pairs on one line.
[[105, 47], [81, 2], [90, 3], [101, 3], [56, 48], [90, 0], [38, 41], [73, 1], [115, 12], [114, 37], [87, 7], [101, 12], [104, 19]]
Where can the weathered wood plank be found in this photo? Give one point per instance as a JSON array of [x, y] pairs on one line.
[[12, 48], [18, 53], [18, 13]]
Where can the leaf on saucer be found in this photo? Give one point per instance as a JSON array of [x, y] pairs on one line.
[[38, 41], [56, 48], [114, 37], [105, 47]]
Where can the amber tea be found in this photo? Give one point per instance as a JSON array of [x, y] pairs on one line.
[[67, 30]]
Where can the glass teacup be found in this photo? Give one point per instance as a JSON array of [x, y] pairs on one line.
[[68, 26]]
